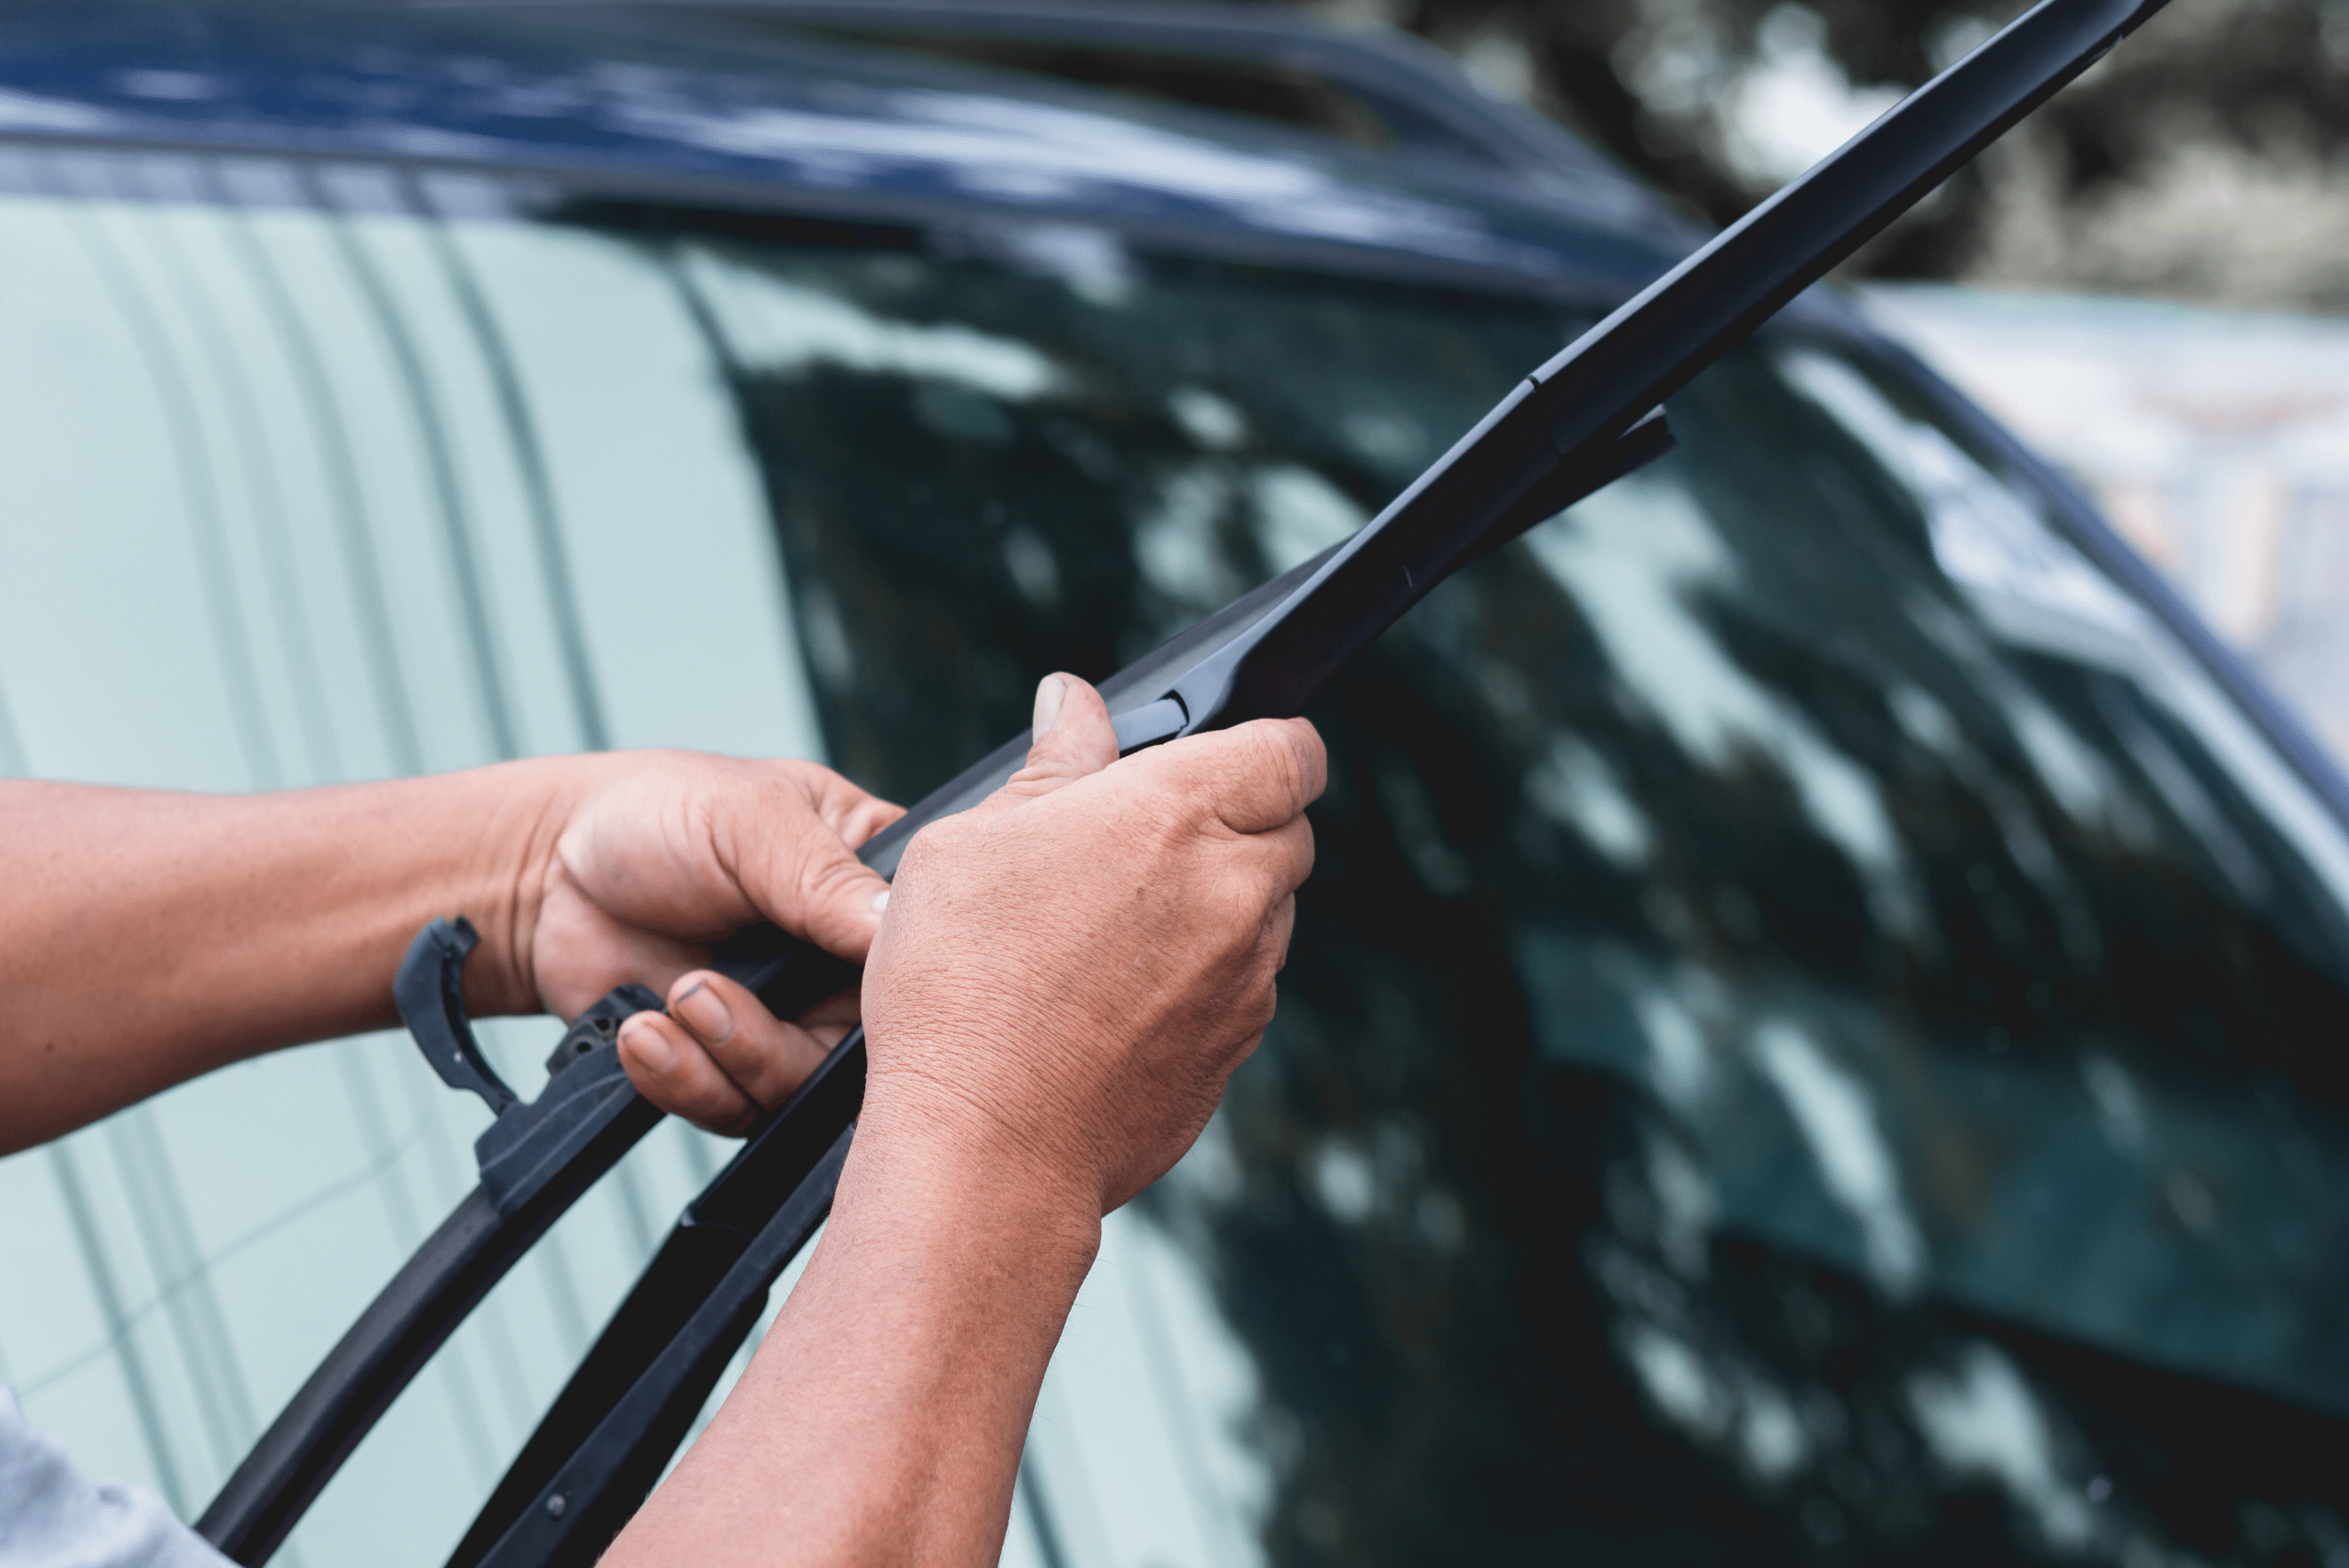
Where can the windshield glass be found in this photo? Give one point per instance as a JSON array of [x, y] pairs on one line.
[[1803, 975], [1809, 1030]]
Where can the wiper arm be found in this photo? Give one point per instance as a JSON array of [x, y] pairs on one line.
[[1580, 420]]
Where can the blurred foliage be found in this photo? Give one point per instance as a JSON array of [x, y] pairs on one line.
[[2207, 158]]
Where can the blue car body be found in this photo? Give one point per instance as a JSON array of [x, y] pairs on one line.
[[1792, 1248]]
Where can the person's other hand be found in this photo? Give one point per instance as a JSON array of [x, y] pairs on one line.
[[660, 855], [1067, 974]]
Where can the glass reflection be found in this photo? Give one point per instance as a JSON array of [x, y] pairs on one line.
[[1810, 1036], [1805, 1035]]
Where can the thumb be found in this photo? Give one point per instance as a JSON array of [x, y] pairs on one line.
[[1073, 736]]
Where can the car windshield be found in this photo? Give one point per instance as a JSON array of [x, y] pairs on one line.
[[1812, 1030]]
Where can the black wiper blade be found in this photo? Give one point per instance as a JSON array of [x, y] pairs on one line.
[[1574, 424], [1571, 426], [536, 1161], [540, 1156], [1595, 392]]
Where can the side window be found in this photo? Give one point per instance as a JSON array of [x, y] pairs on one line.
[[303, 489]]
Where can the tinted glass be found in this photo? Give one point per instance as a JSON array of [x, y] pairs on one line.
[[1808, 1036], [1812, 1030]]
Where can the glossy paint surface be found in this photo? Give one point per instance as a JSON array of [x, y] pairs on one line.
[[665, 94]]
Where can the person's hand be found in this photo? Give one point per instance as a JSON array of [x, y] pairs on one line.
[[1067, 974], [663, 852], [1063, 980]]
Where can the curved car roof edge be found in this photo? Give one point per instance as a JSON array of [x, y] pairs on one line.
[[1395, 59], [1567, 184], [784, 200]]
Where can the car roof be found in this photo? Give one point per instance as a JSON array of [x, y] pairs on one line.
[[910, 109]]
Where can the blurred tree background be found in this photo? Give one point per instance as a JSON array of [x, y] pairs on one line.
[[2206, 160]]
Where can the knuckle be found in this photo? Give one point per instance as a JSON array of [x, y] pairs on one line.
[[924, 847], [1239, 905], [1297, 858], [826, 874], [1268, 755], [1311, 752], [1193, 766], [1301, 762]]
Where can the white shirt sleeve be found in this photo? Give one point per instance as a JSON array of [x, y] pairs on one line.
[[52, 1518]]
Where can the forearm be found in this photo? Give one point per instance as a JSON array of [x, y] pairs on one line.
[[881, 1420], [146, 937]]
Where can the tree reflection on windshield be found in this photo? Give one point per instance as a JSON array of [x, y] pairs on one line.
[[1808, 1031]]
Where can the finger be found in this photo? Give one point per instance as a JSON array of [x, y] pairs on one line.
[[1252, 777], [1279, 925], [845, 808], [570, 921], [670, 1068], [1072, 736], [829, 1021], [805, 879], [1283, 856], [868, 817], [763, 1056]]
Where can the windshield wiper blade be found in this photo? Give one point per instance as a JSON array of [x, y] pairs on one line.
[[642, 1382], [538, 1158], [1577, 422]]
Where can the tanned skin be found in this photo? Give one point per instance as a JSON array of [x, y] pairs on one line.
[[1055, 994]]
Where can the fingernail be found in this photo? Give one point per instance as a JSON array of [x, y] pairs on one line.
[[651, 1048], [880, 901], [1050, 693], [703, 1014]]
